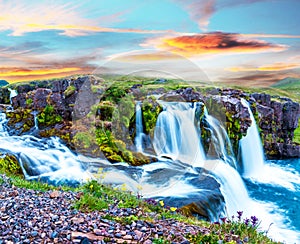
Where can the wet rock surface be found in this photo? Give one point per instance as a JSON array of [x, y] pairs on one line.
[[29, 216]]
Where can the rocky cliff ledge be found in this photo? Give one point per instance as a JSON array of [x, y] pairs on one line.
[[48, 108]]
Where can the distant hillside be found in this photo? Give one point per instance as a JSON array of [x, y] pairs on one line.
[[3, 83], [288, 83]]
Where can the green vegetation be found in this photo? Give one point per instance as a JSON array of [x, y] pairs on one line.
[[150, 110], [48, 116], [297, 133], [70, 90], [10, 165]]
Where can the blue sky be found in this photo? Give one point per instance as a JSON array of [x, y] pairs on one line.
[[245, 42]]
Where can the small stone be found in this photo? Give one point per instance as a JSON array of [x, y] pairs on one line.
[[34, 233], [97, 232], [138, 234], [54, 194], [147, 242], [54, 234], [123, 233], [144, 229], [127, 237], [118, 235], [77, 220]]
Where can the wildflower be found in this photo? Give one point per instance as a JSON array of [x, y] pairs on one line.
[[161, 202], [223, 219], [240, 213], [91, 187], [254, 220], [247, 221], [123, 187], [173, 209]]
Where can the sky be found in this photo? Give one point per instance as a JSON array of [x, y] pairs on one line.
[[245, 42]]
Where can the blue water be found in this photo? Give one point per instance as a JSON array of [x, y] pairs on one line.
[[285, 196]]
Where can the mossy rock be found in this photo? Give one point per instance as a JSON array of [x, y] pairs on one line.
[[150, 110], [105, 110], [48, 116], [9, 164], [70, 91]]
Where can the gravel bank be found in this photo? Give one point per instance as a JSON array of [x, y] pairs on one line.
[[28, 216]]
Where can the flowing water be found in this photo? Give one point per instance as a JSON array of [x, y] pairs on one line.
[[13, 93], [251, 149], [271, 196]]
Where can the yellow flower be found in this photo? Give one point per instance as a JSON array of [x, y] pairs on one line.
[[173, 209], [91, 186], [161, 202], [123, 187]]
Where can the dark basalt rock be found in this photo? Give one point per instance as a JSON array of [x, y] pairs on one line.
[[182, 95], [4, 96]]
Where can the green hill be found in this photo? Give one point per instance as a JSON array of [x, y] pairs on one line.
[[288, 83]]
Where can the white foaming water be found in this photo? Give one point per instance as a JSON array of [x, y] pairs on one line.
[[3, 132], [237, 199], [36, 122], [251, 149], [220, 140], [276, 175], [42, 158], [176, 136], [139, 128], [254, 161], [13, 93]]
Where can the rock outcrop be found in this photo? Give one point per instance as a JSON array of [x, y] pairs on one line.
[[54, 105]]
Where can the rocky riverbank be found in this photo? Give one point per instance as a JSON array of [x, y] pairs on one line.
[[29, 216]]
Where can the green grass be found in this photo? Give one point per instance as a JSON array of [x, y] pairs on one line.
[[297, 133]]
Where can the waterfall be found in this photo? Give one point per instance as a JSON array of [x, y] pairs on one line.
[[3, 121], [42, 158], [251, 149], [13, 93], [36, 122], [220, 139], [139, 133], [176, 136]]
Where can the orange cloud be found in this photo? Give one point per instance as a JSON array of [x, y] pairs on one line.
[[273, 67], [214, 43], [16, 74], [150, 56]]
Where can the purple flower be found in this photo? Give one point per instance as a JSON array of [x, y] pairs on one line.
[[247, 221], [254, 220], [223, 219], [240, 213]]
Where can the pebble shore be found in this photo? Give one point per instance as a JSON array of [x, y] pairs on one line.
[[29, 216]]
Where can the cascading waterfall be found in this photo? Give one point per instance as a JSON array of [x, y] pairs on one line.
[[220, 139], [13, 93], [3, 132], [36, 122], [253, 160], [176, 136], [139, 127], [251, 150], [39, 158]]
